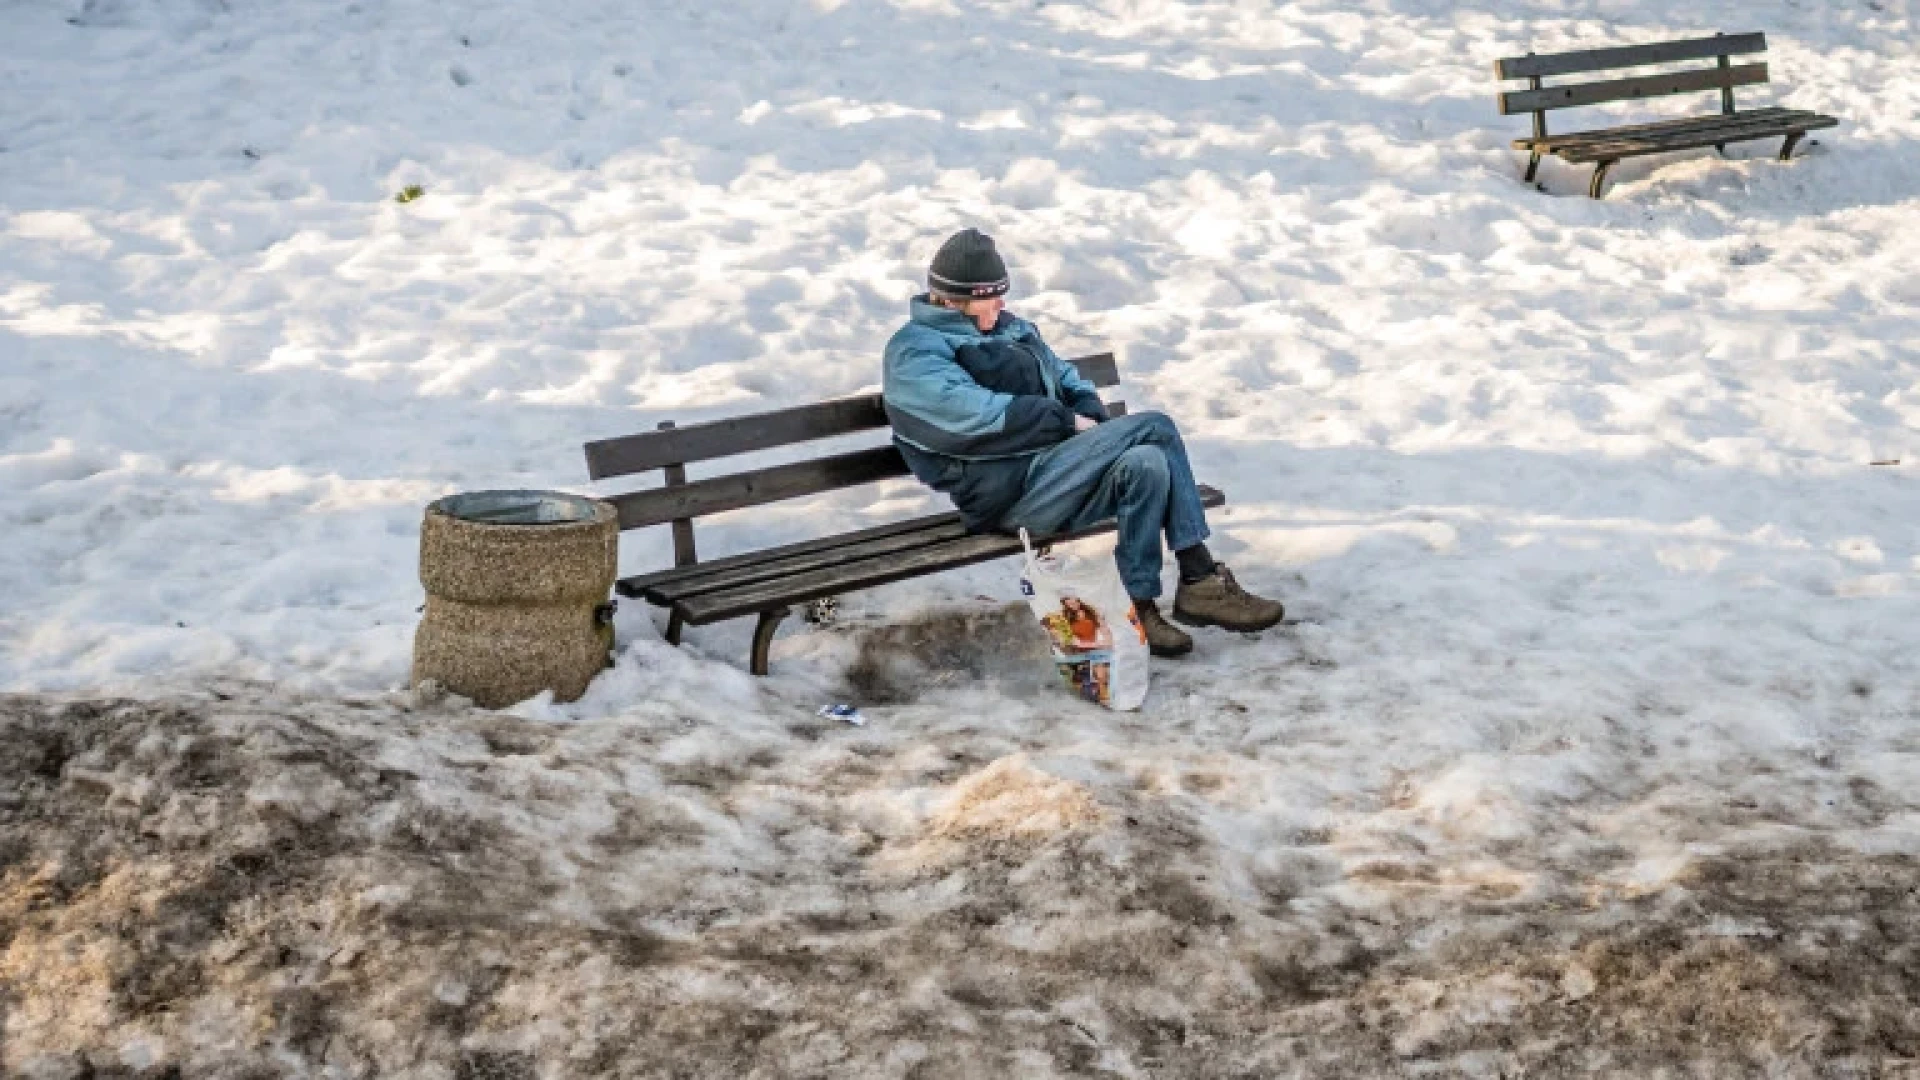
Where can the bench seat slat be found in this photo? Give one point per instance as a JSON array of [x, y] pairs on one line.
[[1634, 89], [638, 584], [1664, 52], [867, 573], [941, 530], [1640, 146], [716, 607], [1554, 143]]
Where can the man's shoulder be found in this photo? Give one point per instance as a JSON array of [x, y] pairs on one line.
[[918, 337]]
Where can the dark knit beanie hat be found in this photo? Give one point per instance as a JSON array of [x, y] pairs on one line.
[[968, 267]]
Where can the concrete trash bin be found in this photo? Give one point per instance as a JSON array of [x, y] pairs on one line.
[[517, 585]]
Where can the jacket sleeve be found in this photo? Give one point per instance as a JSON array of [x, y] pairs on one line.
[[1081, 396], [934, 404]]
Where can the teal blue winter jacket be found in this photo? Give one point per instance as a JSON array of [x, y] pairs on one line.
[[970, 411]]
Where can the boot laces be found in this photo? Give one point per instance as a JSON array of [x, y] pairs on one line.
[[1226, 578]]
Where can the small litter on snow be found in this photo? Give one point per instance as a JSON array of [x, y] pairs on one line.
[[844, 712]]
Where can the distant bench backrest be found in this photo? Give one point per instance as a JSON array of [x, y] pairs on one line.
[[1538, 99], [671, 448]]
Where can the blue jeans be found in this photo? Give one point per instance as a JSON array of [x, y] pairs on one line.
[[1133, 468]]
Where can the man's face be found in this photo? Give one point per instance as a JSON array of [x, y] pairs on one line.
[[984, 313]]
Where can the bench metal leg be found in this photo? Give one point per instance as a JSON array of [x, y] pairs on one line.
[[1793, 140], [674, 625], [763, 637], [1533, 166], [1599, 179]]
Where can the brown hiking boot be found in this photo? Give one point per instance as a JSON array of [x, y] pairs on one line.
[[1218, 600], [1163, 638]]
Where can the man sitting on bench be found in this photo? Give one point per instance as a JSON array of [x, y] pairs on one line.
[[984, 411]]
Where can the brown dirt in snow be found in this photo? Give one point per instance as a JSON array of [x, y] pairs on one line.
[[231, 889]]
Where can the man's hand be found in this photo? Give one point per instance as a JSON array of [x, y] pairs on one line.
[[1084, 423]]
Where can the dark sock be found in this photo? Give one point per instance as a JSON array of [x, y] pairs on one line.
[[1142, 604], [1196, 563]]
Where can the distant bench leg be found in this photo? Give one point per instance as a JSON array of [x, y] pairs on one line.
[[1533, 165], [674, 623], [1786, 148], [1599, 179], [763, 637]]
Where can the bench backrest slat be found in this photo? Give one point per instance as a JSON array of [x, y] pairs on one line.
[[680, 502], [1645, 86], [734, 435], [756, 487], [768, 430], [1665, 52], [1100, 369]]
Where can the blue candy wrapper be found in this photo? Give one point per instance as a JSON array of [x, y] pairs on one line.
[[844, 712]]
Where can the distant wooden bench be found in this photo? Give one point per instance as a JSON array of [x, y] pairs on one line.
[[1603, 147], [768, 583]]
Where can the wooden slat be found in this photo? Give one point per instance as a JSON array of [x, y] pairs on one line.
[[757, 487], [1635, 89], [685, 553], [714, 607], [867, 573], [895, 545], [662, 586], [764, 431], [1665, 52], [1704, 136], [734, 435], [1575, 138], [1100, 369], [637, 585], [1688, 140]]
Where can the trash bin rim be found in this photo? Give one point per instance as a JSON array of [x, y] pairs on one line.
[[518, 508]]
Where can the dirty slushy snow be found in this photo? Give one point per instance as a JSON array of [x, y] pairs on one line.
[[1593, 746]]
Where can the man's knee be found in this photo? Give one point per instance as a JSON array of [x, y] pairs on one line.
[[1152, 424], [1142, 465]]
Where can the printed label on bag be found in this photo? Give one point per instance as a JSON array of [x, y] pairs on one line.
[[1082, 648], [1077, 626], [1090, 677], [1098, 644]]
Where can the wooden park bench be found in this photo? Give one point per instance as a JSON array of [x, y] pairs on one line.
[[768, 583], [1603, 147]]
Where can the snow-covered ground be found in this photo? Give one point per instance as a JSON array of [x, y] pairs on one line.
[[1607, 618]]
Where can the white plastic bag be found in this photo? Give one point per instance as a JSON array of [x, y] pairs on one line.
[[1098, 643]]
